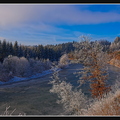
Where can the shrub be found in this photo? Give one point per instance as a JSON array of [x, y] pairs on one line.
[[23, 67], [109, 105], [73, 101], [4, 75], [10, 64], [64, 61]]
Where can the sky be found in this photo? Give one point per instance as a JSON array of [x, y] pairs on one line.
[[33, 24]]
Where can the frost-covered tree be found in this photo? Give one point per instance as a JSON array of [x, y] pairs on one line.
[[95, 69], [23, 67], [17, 66], [108, 105], [10, 63], [38, 66], [64, 61], [47, 64], [32, 63], [74, 101]]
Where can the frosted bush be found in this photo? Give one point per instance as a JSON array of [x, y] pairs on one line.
[[47, 64], [74, 102], [4, 74], [64, 61], [10, 63], [23, 67], [38, 67], [17, 66], [108, 105]]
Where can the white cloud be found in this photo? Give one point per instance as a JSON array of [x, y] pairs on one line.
[[54, 14], [13, 14], [42, 27], [71, 15]]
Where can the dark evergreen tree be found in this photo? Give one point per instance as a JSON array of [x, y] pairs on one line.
[[51, 52], [20, 53], [0, 51], [34, 52], [4, 50], [8, 48], [24, 51], [45, 53], [16, 49], [11, 48]]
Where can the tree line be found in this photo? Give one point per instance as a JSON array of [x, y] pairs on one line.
[[51, 52]]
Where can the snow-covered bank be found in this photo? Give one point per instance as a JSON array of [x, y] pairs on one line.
[[17, 79]]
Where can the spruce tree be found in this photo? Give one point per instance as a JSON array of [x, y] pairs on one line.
[[11, 48], [15, 47], [4, 50], [0, 51]]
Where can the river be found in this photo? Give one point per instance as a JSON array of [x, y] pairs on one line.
[[33, 97]]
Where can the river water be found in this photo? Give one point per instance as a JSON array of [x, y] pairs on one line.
[[33, 97]]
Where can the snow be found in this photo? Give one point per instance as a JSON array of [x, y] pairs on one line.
[[17, 79]]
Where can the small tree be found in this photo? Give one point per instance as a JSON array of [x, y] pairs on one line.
[[23, 67], [74, 101], [10, 63], [17, 66], [64, 61], [94, 70]]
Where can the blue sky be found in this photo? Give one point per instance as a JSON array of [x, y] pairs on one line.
[[33, 24]]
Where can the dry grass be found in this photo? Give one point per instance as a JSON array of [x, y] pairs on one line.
[[9, 112], [108, 106]]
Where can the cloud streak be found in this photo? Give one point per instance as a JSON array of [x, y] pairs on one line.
[[70, 15], [13, 14], [54, 14]]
